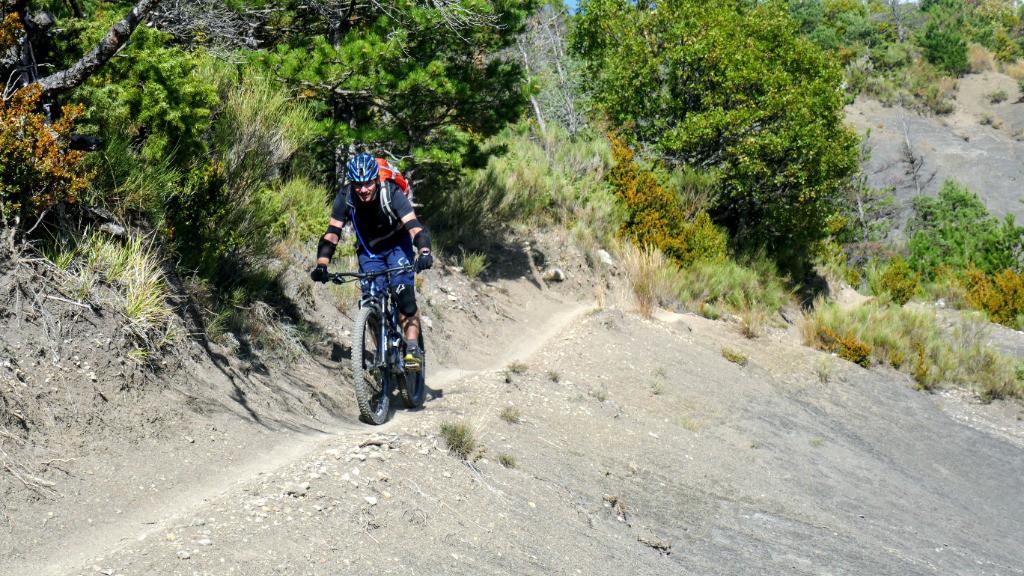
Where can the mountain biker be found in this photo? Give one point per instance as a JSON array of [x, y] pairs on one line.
[[387, 232]]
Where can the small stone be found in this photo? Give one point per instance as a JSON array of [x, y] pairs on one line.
[[371, 500], [204, 542], [605, 258], [295, 489], [555, 275], [184, 554]]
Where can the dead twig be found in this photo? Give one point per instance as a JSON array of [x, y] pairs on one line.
[[66, 301]]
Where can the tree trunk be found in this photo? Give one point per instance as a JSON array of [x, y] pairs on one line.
[[100, 54]]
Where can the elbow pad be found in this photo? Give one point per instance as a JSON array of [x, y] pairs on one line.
[[422, 240], [325, 249]]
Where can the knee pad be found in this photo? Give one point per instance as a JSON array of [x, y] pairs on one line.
[[405, 299]]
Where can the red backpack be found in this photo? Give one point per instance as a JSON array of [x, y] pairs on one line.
[[387, 172]]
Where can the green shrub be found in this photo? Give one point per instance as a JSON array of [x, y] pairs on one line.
[[997, 96], [227, 207], [899, 280], [531, 179], [941, 39], [709, 286], [302, 208], [955, 230]]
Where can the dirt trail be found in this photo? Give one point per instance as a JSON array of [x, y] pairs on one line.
[[177, 503], [617, 444]]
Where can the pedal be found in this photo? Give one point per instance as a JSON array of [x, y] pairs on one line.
[[412, 364]]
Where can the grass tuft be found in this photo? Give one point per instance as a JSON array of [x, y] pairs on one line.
[[511, 414], [735, 356], [507, 460], [459, 438], [474, 264]]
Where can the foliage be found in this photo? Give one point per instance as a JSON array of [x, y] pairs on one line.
[[643, 269], [533, 178], [655, 216], [419, 80], [913, 340], [846, 347], [301, 207], [998, 95], [150, 95], [228, 206], [474, 264], [511, 414], [941, 40], [729, 86], [37, 170], [956, 230], [756, 286], [134, 269], [1000, 295], [900, 281], [735, 356]]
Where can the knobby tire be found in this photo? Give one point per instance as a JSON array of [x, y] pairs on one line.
[[369, 376]]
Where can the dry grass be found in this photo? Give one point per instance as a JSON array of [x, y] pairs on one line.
[[643, 268], [735, 356], [134, 270], [511, 414], [914, 341], [752, 323], [981, 59], [1015, 70]]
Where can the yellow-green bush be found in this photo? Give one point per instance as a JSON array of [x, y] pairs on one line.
[[899, 280], [655, 217], [1001, 296]]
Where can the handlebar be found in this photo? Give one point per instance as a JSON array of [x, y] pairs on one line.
[[342, 277]]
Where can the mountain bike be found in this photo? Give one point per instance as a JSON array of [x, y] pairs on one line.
[[378, 348]]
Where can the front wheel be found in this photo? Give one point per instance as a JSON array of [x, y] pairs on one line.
[[369, 375], [415, 390]]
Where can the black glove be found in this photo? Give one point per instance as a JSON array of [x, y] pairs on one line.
[[425, 261], [319, 274]]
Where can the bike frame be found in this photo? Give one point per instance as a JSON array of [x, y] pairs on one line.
[[390, 337]]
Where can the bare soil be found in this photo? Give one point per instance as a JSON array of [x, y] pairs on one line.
[[606, 443], [979, 145]]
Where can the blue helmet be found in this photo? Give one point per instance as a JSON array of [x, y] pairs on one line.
[[363, 168]]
